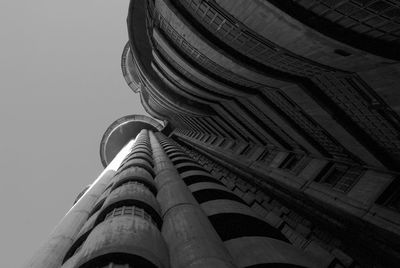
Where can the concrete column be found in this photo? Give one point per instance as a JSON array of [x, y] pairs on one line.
[[250, 240], [52, 252], [191, 239]]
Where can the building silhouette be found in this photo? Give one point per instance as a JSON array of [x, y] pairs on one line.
[[279, 141]]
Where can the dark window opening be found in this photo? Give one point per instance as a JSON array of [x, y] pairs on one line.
[[246, 150], [189, 167], [323, 172], [223, 143], [76, 246], [232, 145], [263, 156], [390, 198], [342, 52], [208, 138], [175, 155], [338, 176], [215, 139], [185, 160], [275, 265], [97, 207], [334, 175], [200, 178], [290, 161], [215, 194], [172, 151], [119, 260], [235, 225]]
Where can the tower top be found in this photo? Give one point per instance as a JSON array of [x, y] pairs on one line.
[[121, 131]]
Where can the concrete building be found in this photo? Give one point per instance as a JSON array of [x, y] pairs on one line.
[[280, 143]]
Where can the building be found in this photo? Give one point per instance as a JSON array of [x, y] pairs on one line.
[[280, 143]]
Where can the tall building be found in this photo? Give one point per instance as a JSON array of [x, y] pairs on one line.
[[279, 144]]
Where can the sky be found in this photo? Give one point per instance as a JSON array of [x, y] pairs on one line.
[[61, 86]]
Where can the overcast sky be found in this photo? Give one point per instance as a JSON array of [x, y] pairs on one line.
[[61, 87]]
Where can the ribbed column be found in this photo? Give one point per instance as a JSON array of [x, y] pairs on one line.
[[191, 239], [124, 227], [251, 241], [51, 254]]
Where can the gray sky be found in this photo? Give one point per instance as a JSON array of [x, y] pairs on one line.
[[61, 86]]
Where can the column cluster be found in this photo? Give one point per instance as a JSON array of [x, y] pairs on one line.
[[162, 209], [250, 241], [123, 228]]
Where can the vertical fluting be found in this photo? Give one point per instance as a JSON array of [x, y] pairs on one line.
[[51, 254], [124, 226], [251, 241], [191, 239]]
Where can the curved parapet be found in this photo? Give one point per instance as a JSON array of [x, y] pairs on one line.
[[121, 131], [129, 69]]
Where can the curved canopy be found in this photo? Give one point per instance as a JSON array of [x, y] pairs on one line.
[[121, 131]]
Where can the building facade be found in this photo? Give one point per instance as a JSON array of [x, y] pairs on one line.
[[280, 143]]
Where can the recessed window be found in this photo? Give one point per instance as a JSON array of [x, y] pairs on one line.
[[224, 142], [390, 198], [76, 246], [234, 225], [291, 161], [129, 210], [232, 145], [262, 156], [189, 167], [97, 207], [215, 194], [176, 154], [118, 260], [338, 176], [342, 52], [200, 178], [184, 160], [394, 202], [246, 150]]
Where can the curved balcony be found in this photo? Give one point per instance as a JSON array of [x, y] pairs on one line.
[[156, 88], [138, 163], [143, 155], [129, 194], [188, 166], [132, 174], [129, 69], [124, 235], [140, 155]]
